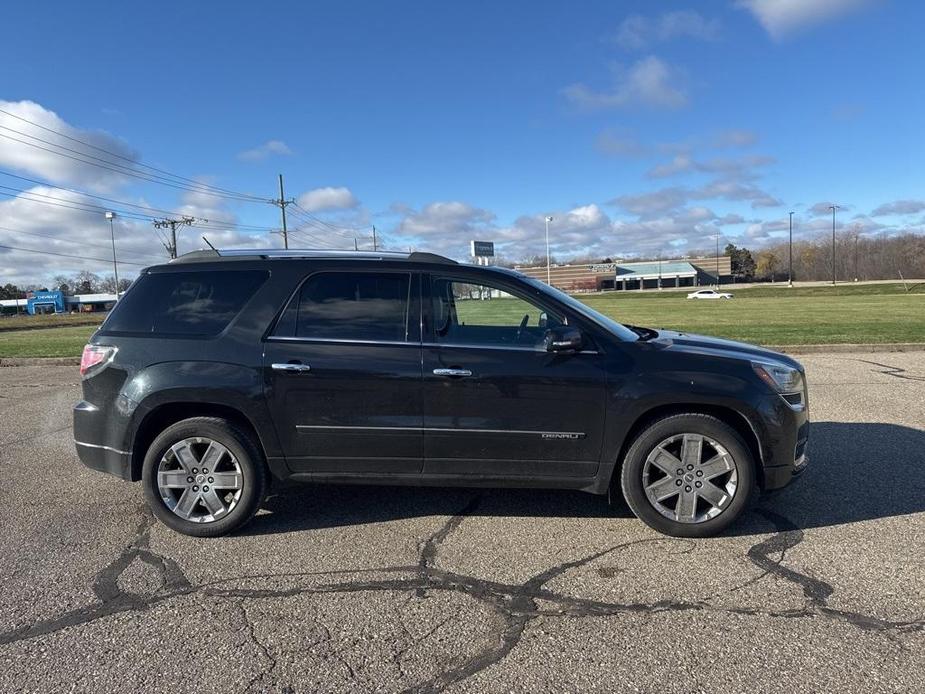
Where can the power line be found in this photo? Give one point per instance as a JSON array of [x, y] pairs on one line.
[[89, 195], [73, 241], [123, 170], [329, 225], [198, 184], [93, 209], [68, 255]]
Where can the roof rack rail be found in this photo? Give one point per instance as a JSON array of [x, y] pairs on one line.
[[279, 253], [423, 257]]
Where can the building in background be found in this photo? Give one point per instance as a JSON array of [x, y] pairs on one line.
[[653, 274], [40, 302]]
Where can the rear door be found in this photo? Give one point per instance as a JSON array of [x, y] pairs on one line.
[[496, 403], [343, 368]]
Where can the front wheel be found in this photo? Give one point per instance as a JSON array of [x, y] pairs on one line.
[[688, 475], [204, 476]]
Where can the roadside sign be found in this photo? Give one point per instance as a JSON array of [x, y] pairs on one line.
[[483, 249]]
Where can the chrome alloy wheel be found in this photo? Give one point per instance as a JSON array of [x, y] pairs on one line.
[[199, 480], [690, 478]]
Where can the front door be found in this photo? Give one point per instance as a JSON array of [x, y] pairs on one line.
[[496, 403], [343, 369]]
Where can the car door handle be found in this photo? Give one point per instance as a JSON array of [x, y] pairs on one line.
[[453, 373], [292, 368]]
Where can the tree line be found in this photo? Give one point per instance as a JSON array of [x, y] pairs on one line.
[[84, 282], [856, 257]]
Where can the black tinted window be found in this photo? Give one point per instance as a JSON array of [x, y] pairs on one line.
[[350, 306], [184, 303]]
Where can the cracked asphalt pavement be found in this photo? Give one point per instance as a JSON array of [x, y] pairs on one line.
[[821, 587]]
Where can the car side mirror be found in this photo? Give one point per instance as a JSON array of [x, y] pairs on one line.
[[563, 339]]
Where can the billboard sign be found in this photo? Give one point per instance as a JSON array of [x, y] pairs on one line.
[[482, 249]]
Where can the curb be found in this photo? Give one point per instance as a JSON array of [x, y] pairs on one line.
[[39, 361], [845, 348]]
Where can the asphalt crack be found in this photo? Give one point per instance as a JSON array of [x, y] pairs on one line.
[[512, 605]]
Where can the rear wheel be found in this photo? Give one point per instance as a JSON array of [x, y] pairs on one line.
[[688, 475], [204, 476]]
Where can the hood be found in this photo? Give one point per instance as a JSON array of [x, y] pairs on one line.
[[717, 346]]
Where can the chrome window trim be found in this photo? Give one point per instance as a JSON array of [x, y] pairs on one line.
[[509, 348], [337, 340], [105, 448]]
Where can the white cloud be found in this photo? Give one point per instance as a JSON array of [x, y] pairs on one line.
[[735, 138], [637, 32], [266, 150], [899, 207], [783, 17], [614, 144], [649, 82], [26, 147], [685, 163], [328, 198]]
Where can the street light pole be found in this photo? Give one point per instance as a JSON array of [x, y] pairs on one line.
[[112, 235], [834, 274], [548, 271], [790, 272]]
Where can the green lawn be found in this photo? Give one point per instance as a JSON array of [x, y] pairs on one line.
[[764, 315], [55, 320]]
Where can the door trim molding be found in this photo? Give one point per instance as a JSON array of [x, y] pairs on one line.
[[449, 430]]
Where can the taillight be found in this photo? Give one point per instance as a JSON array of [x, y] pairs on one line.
[[94, 356]]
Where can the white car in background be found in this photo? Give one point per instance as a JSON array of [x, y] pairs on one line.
[[709, 294]]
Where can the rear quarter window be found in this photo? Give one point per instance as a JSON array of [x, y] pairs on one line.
[[200, 304]]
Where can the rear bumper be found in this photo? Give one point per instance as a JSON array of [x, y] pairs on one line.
[[104, 458], [94, 441]]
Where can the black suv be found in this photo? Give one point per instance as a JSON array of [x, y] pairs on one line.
[[220, 370]]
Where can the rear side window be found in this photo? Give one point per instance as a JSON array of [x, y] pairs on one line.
[[184, 303], [369, 306]]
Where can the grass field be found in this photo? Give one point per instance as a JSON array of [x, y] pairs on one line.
[[872, 313]]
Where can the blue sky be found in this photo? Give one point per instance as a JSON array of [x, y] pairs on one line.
[[641, 127]]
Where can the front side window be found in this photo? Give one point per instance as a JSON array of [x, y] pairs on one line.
[[367, 306], [480, 314]]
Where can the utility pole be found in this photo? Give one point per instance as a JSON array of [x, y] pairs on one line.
[[375, 241], [834, 273], [172, 224], [548, 271], [115, 266], [790, 273], [281, 203]]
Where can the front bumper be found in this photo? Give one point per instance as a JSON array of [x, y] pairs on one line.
[[782, 475]]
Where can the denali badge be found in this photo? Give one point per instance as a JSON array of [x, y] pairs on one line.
[[567, 435]]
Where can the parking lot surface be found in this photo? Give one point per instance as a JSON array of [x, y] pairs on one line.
[[339, 589]]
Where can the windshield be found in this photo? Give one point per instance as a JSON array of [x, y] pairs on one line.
[[610, 324]]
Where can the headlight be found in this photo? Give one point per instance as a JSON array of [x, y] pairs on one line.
[[783, 379]]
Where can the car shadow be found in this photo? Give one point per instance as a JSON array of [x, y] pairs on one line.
[[857, 472]]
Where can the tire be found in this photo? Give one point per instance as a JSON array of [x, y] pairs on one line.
[[169, 480], [647, 466]]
